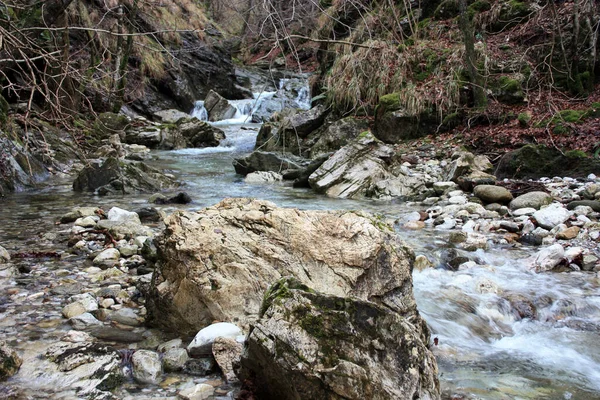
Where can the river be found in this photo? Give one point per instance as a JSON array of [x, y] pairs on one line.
[[484, 350]]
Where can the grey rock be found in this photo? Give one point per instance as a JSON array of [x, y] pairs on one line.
[[174, 359], [10, 362], [267, 161], [531, 200], [259, 177], [329, 347], [593, 204], [548, 258], [218, 107], [107, 258], [4, 255], [493, 194], [84, 321], [337, 135], [126, 316], [227, 353], [199, 366]]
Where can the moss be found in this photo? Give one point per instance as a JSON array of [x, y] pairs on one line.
[[508, 90], [446, 10], [524, 119], [594, 111], [576, 154], [451, 121], [364, 134], [424, 23], [3, 111], [559, 129], [390, 102], [570, 116], [281, 290], [509, 84]]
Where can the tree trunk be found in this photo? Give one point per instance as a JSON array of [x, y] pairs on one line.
[[477, 82]]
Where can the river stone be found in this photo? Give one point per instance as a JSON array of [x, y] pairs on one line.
[[126, 316], [519, 212], [78, 212], [147, 367], [200, 133], [492, 194], [531, 200], [548, 258], [569, 233], [337, 135], [203, 341], [174, 359], [227, 353], [128, 250], [113, 334], [81, 304], [211, 258], [10, 362], [303, 123], [4, 255], [86, 222], [551, 216], [121, 215], [199, 366], [170, 116], [218, 107], [91, 369], [263, 177], [266, 161], [84, 321], [171, 344], [124, 229], [443, 187], [593, 204], [199, 392], [107, 258], [308, 345]]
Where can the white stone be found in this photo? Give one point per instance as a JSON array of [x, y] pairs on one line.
[[199, 392], [4, 255], [457, 200], [139, 241], [108, 257], [441, 187], [84, 321], [449, 223], [552, 215], [107, 303], [548, 258], [77, 337], [263, 177], [86, 222], [202, 343], [174, 359], [119, 215], [524, 211], [572, 253], [147, 367]]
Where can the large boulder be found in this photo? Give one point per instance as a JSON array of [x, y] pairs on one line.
[[118, 176], [365, 168], [216, 264], [337, 135], [200, 133], [469, 170], [394, 124], [267, 161], [308, 345], [217, 107]]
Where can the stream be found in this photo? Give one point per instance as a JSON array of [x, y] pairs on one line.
[[484, 350]]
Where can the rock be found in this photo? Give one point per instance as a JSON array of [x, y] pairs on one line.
[[87, 222], [114, 176], [4, 255], [308, 345], [121, 215], [302, 176], [337, 135], [108, 124], [148, 214], [519, 212], [84, 321], [174, 359], [589, 262], [81, 304], [569, 233], [112, 334], [227, 353], [492, 194], [531, 200], [259, 177], [128, 250], [91, 369], [171, 116], [443, 187], [149, 136], [107, 258], [126, 316], [593, 204], [124, 229], [302, 123], [217, 107], [422, 263], [147, 367], [78, 212], [394, 124], [10, 362], [199, 366], [552, 215], [77, 337], [266, 161], [354, 170], [548, 258], [203, 341], [199, 392], [250, 244]]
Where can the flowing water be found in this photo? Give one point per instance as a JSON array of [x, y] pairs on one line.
[[484, 349]]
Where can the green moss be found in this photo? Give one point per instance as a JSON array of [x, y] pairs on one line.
[[446, 10], [451, 121], [3, 111], [559, 129], [576, 154], [424, 23], [594, 111], [570, 116], [509, 84], [390, 102], [364, 134], [281, 290], [524, 119]]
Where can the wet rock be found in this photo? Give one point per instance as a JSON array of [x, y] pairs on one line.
[[589, 262], [422, 263], [174, 359], [203, 341], [172, 116], [267, 161], [81, 304], [551, 216], [148, 214], [10, 362], [85, 321], [485, 286], [474, 242], [531, 200], [199, 366], [115, 176], [147, 367], [200, 134], [218, 107], [227, 353], [522, 306], [180, 198], [78, 212], [90, 367], [444, 187], [4, 255], [171, 344], [126, 316], [492, 194], [107, 258], [313, 346], [108, 124], [509, 226], [199, 392], [263, 177], [302, 175], [250, 244], [548, 258], [112, 334], [302, 123], [593, 204]]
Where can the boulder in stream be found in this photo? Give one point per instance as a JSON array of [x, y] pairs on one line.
[[267, 161], [309, 345], [218, 107], [120, 176], [216, 264], [10, 362]]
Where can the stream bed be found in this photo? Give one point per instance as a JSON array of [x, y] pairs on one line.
[[484, 350]]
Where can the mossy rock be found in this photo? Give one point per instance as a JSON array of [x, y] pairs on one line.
[[513, 12], [524, 119], [537, 161], [389, 102], [107, 124], [508, 89]]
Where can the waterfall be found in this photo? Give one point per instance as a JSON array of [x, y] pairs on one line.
[[199, 111]]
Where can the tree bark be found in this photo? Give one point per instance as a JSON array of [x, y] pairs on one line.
[[477, 82]]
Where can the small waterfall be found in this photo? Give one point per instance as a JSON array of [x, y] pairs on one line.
[[199, 111]]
